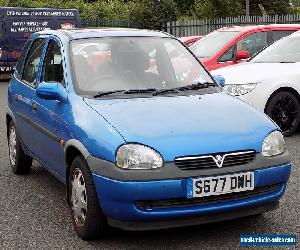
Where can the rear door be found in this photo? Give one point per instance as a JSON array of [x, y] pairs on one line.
[[23, 92]]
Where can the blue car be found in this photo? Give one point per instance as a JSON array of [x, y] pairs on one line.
[[139, 132]]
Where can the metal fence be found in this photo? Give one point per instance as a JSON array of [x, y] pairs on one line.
[[203, 27], [111, 23]]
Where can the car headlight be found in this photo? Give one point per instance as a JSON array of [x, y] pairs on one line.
[[136, 156], [273, 144], [239, 89]]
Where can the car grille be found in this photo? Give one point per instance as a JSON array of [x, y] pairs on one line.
[[215, 160], [185, 202]]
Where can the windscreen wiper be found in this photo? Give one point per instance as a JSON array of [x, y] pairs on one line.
[[194, 86], [128, 92]]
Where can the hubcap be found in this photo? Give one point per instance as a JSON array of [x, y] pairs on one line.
[[78, 197], [285, 113], [12, 145]]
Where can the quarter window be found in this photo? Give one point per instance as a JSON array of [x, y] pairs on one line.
[[229, 55], [32, 62], [52, 68], [20, 64]]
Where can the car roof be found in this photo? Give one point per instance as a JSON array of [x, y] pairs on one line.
[[254, 27], [105, 32]]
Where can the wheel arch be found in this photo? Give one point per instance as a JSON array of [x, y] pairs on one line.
[[287, 89], [73, 148]]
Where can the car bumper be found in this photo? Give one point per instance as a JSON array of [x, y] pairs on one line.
[[122, 201]]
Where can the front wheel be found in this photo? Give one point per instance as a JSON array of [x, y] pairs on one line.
[[20, 162], [284, 109], [88, 219]]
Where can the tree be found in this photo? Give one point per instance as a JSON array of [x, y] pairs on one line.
[[281, 7], [153, 13], [218, 8]]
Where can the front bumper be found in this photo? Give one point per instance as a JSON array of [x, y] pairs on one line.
[[119, 199]]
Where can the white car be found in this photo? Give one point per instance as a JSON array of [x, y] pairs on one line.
[[270, 81]]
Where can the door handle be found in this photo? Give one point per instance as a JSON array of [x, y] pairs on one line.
[[16, 98], [34, 107]]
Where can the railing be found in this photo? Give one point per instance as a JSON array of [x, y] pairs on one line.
[[111, 23], [205, 26]]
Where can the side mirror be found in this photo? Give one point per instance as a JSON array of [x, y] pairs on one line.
[[51, 91], [242, 54], [220, 80]]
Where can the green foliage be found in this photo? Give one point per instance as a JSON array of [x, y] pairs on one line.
[[218, 8], [280, 7], [153, 13]]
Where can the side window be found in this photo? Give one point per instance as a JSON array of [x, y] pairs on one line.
[[229, 55], [277, 34], [253, 43], [32, 62], [20, 64], [52, 67]]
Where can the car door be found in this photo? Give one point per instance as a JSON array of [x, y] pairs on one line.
[[48, 114], [23, 89]]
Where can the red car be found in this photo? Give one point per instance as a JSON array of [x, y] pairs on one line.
[[232, 45], [190, 40]]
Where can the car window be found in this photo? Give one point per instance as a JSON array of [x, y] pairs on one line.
[[212, 43], [127, 63], [277, 34], [52, 67], [285, 50], [20, 64], [229, 55], [32, 62], [253, 43]]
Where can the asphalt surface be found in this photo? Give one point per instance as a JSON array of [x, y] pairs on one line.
[[34, 214]]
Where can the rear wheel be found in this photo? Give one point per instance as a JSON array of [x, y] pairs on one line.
[[19, 161], [88, 219], [284, 109]]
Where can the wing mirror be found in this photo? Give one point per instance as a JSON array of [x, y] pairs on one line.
[[220, 80], [51, 91], [242, 54]]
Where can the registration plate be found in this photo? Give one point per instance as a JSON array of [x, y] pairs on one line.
[[216, 185]]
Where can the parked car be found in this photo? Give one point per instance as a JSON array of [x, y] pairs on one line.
[[270, 81], [190, 40], [139, 149], [232, 45], [18, 24]]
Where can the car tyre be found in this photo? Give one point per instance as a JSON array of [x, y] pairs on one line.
[[88, 219], [20, 162], [284, 109]]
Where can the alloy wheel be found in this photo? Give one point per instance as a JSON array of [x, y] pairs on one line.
[[78, 197], [12, 145], [285, 113]]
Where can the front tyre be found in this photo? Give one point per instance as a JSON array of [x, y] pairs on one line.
[[284, 109], [87, 217], [20, 162]]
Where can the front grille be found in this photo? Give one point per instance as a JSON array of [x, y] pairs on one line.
[[185, 202], [215, 160]]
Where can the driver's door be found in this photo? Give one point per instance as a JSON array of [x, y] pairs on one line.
[[48, 114]]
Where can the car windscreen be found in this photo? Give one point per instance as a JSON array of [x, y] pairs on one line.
[[209, 45], [286, 50], [129, 63]]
